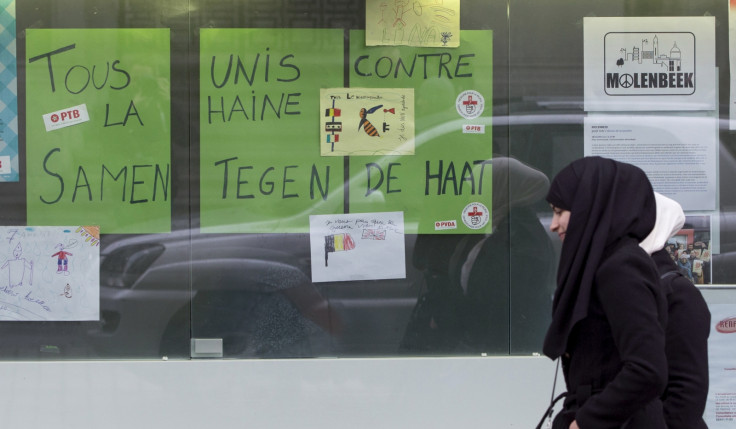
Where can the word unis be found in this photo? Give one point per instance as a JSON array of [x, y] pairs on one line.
[[427, 64], [649, 80], [131, 183], [285, 72], [242, 175]]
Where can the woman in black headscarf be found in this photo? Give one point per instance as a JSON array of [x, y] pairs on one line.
[[608, 314]]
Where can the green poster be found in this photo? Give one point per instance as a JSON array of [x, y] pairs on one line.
[[260, 163], [445, 187], [98, 129]]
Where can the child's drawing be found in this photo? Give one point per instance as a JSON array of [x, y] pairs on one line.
[[338, 243], [62, 259], [67, 291], [423, 23], [384, 119], [364, 246], [53, 273], [374, 234], [365, 123], [19, 268]]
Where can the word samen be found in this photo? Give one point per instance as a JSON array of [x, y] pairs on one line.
[[136, 184]]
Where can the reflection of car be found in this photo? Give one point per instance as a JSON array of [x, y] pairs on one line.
[[253, 291], [147, 304]]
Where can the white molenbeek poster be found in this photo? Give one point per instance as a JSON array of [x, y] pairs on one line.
[[357, 246], [720, 410], [677, 150], [649, 63], [49, 273]]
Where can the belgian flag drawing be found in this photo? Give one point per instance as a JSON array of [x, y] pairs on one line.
[[338, 243]]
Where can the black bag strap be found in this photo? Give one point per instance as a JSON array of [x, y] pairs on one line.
[[668, 274], [552, 400], [548, 413]]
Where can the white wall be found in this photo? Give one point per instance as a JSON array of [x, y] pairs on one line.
[[491, 392], [426, 393]]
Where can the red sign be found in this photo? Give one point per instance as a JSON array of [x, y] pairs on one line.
[[727, 326]]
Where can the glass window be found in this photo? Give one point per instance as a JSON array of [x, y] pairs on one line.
[[219, 149]]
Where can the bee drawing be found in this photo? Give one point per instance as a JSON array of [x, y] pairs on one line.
[[366, 124]]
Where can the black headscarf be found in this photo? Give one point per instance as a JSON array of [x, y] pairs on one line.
[[608, 200]]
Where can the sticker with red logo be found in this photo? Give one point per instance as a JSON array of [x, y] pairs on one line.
[[474, 129], [727, 326], [66, 117], [5, 165], [445, 224], [470, 104], [476, 215]]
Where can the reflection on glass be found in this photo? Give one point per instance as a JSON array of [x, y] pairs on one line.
[[464, 307]]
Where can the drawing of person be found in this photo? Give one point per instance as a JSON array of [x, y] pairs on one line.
[[17, 268], [67, 291], [63, 261]]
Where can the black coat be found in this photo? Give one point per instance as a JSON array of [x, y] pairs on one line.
[[688, 327], [615, 366]]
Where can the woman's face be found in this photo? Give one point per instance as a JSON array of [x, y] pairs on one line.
[[560, 219]]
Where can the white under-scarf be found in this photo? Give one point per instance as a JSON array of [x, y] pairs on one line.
[[670, 219]]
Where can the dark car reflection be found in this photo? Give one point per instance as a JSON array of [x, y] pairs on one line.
[[255, 297], [463, 294], [254, 291]]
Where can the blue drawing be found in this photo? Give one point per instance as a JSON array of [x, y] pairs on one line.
[[17, 268]]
